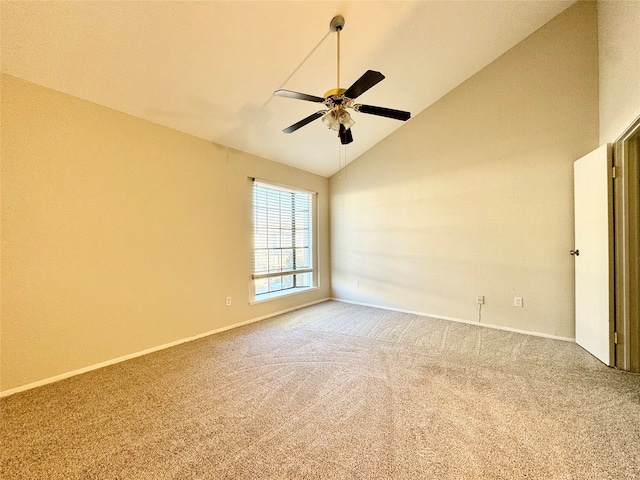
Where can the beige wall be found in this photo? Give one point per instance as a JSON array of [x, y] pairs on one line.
[[619, 58], [474, 195], [119, 235]]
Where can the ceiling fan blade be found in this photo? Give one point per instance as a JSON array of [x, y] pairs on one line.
[[345, 135], [364, 83], [304, 121], [298, 96], [384, 112]]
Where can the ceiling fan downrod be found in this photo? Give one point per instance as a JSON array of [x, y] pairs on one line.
[[336, 25]]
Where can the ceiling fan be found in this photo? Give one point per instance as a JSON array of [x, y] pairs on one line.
[[338, 100]]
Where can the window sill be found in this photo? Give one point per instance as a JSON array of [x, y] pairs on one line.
[[281, 294]]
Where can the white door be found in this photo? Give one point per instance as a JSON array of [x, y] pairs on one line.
[[593, 214]]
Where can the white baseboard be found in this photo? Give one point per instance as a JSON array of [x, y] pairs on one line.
[[113, 361], [459, 320]]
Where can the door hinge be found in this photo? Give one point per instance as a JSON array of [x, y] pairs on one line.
[[615, 338], [613, 172]]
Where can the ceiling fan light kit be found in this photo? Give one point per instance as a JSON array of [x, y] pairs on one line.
[[333, 119], [338, 100]]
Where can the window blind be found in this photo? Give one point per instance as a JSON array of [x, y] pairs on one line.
[[283, 238]]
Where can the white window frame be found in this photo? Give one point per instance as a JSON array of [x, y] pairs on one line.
[[302, 248]]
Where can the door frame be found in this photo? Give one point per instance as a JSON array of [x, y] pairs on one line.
[[626, 198]]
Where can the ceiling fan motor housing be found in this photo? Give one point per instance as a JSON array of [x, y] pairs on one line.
[[335, 99]]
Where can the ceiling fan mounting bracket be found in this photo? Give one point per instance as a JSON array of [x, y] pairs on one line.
[[337, 23]]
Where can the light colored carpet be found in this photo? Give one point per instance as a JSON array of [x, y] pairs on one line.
[[335, 391]]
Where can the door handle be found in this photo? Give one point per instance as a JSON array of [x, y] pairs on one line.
[[575, 252]]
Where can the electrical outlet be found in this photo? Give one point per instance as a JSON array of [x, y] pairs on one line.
[[480, 299], [228, 302], [517, 301]]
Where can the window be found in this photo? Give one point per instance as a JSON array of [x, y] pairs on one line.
[[283, 246]]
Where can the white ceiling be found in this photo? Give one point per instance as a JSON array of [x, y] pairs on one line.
[[209, 68]]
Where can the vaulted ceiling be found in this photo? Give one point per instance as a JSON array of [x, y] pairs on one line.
[[209, 68]]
